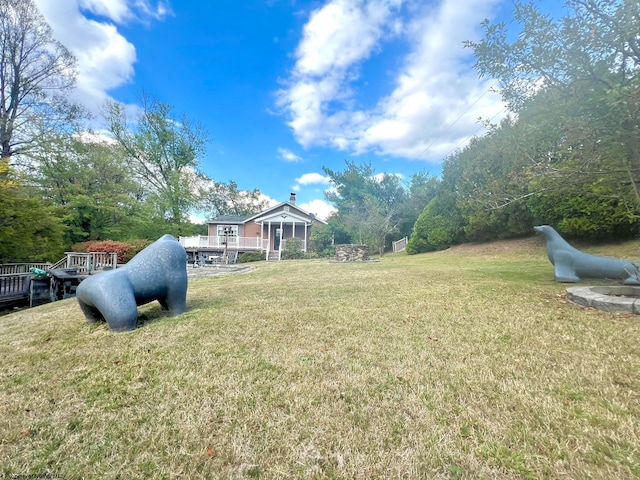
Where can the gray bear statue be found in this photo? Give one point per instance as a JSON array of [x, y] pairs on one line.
[[159, 272]]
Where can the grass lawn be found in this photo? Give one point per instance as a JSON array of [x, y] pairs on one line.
[[463, 364]]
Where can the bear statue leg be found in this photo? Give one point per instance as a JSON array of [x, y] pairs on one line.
[[163, 303], [114, 301], [92, 314], [176, 299]]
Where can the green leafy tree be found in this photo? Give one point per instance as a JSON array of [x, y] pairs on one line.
[[321, 240], [369, 206], [91, 186], [164, 155], [30, 231], [581, 73], [218, 198], [421, 190], [439, 226]]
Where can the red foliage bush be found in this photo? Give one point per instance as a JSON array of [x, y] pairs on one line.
[[125, 251]]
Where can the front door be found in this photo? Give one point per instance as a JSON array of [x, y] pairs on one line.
[[276, 240]]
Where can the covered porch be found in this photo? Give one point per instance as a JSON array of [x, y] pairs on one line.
[[277, 228]]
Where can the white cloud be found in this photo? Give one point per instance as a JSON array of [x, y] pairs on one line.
[[378, 177], [331, 43], [99, 137], [318, 207], [312, 178], [105, 57], [197, 218], [288, 155], [436, 97], [270, 201]]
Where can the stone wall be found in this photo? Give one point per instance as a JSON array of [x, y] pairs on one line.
[[351, 253]]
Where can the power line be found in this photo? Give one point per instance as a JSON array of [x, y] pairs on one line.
[[474, 134], [454, 122]]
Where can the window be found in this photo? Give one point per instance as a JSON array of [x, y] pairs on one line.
[[286, 208], [232, 232]]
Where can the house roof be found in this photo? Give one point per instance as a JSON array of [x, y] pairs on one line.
[[238, 219], [293, 209]]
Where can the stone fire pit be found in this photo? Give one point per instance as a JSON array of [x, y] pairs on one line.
[[610, 299]]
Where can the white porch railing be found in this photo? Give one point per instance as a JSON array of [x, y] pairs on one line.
[[233, 243]]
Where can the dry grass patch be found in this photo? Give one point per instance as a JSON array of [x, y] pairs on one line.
[[460, 364]]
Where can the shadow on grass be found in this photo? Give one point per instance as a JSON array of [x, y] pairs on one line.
[[153, 312]]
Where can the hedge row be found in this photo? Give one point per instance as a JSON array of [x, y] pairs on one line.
[[125, 250]]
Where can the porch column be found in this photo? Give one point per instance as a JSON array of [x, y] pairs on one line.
[[269, 240], [305, 237], [281, 239]]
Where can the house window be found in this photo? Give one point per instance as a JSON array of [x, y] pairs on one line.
[[232, 232], [286, 208]]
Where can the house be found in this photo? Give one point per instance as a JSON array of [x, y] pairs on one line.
[[267, 231]]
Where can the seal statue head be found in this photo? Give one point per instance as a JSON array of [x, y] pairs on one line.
[[543, 229]]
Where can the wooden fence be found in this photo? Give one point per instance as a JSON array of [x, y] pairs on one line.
[[400, 245], [10, 268], [14, 286], [88, 262]]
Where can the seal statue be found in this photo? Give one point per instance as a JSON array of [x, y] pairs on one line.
[[571, 264], [159, 272]]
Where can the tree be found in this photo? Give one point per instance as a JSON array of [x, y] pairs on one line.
[[369, 206], [439, 226], [421, 190], [596, 41], [36, 74], [218, 198], [322, 240], [164, 155], [29, 229], [577, 79], [88, 181]]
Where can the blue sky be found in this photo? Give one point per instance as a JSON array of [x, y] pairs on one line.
[[285, 87]]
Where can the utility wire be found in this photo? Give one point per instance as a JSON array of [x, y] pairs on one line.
[[454, 122], [474, 134]]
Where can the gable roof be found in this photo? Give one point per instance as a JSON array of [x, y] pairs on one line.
[[292, 209], [238, 219], [271, 211]]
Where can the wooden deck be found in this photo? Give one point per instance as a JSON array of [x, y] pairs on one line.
[[14, 289], [19, 287]]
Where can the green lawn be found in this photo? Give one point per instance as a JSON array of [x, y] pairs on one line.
[[463, 364]]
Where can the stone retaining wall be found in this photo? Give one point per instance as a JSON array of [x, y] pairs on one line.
[[351, 253]]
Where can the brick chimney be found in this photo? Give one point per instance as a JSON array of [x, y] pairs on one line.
[[292, 199]]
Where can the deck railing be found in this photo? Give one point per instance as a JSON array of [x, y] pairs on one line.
[[88, 262], [233, 243], [14, 284], [9, 268]]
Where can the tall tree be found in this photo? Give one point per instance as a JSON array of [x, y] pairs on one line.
[[90, 184], [164, 154], [581, 74], [369, 206], [421, 190], [36, 74], [218, 198], [30, 230]]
